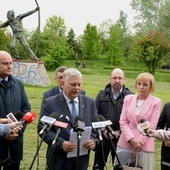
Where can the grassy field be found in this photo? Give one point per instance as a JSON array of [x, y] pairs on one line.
[[95, 77]]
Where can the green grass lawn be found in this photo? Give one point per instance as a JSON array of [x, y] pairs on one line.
[[95, 77]]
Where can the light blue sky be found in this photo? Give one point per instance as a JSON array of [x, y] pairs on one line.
[[76, 13]]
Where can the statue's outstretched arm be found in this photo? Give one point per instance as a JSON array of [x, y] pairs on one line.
[[5, 24]]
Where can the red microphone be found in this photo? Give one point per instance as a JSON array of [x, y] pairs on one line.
[[28, 118]]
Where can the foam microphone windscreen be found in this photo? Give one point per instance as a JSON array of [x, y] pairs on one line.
[[29, 117], [101, 118], [18, 115], [78, 118], [95, 118], [54, 115]]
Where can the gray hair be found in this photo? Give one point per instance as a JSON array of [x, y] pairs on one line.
[[71, 72], [60, 69]]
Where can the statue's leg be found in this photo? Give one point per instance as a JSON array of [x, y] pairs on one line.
[[13, 47], [24, 43]]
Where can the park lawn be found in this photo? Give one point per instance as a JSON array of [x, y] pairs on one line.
[[94, 79]]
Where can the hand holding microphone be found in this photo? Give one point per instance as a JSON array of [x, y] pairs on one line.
[[27, 118], [143, 127]]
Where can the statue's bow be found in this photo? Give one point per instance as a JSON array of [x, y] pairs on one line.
[[38, 28]]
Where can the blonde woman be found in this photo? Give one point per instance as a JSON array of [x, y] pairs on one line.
[[138, 107]]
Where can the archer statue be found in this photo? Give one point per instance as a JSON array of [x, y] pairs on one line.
[[18, 32]]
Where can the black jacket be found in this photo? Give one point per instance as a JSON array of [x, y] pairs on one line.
[[13, 98], [164, 123], [110, 108]]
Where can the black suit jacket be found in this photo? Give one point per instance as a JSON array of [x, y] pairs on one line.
[[59, 105], [55, 91], [164, 122]]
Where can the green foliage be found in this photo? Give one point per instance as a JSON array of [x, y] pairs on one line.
[[51, 64], [115, 52], [90, 43], [151, 49], [72, 44]]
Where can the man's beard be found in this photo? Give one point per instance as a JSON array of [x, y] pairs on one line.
[[116, 87]]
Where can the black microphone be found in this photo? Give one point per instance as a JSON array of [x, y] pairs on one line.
[[108, 128], [79, 125], [98, 126], [145, 125], [61, 124], [48, 121]]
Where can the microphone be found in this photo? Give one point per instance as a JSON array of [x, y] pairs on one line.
[[79, 125], [48, 121], [96, 124], [14, 117], [108, 128], [61, 124], [28, 118], [143, 126]]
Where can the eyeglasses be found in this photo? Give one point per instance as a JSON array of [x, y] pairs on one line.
[[75, 84], [115, 78], [59, 78]]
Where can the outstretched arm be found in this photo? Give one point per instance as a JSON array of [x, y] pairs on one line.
[[5, 24], [28, 13]]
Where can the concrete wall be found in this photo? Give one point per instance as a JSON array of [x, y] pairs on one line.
[[31, 72]]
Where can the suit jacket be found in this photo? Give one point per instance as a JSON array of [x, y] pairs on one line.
[[164, 122], [55, 91], [59, 105], [150, 111]]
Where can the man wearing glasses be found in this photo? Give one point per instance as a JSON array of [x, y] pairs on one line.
[[57, 89], [109, 104]]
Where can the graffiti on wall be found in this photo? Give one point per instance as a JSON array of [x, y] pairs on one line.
[[31, 73]]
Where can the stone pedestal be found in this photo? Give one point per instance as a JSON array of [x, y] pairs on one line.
[[31, 72]]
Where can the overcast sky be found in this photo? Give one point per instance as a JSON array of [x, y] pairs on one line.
[[76, 13]]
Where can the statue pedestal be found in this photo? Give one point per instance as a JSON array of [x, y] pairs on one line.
[[31, 72]]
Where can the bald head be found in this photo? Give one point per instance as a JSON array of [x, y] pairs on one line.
[[117, 71], [117, 80], [5, 64]]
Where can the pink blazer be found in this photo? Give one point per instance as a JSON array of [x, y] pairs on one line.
[[150, 111]]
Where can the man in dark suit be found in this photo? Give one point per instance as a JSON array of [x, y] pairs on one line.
[[164, 123], [57, 89], [85, 108]]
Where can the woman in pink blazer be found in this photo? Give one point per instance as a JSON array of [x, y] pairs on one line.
[[136, 108]]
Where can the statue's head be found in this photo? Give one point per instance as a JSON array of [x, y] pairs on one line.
[[10, 14]]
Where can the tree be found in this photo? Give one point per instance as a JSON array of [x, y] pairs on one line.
[[90, 42], [115, 51], [4, 40], [72, 44], [151, 49], [164, 21], [147, 14]]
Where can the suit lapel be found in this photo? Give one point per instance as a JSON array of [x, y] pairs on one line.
[[145, 108], [81, 107], [64, 106]]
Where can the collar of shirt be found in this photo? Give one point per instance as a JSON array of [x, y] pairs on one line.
[[116, 95], [4, 79], [60, 90], [70, 105]]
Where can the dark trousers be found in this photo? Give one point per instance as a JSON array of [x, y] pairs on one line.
[[103, 153], [10, 167], [165, 157]]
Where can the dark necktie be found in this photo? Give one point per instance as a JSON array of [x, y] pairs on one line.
[[73, 110], [4, 82]]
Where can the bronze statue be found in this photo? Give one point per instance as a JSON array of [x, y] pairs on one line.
[[18, 32]]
